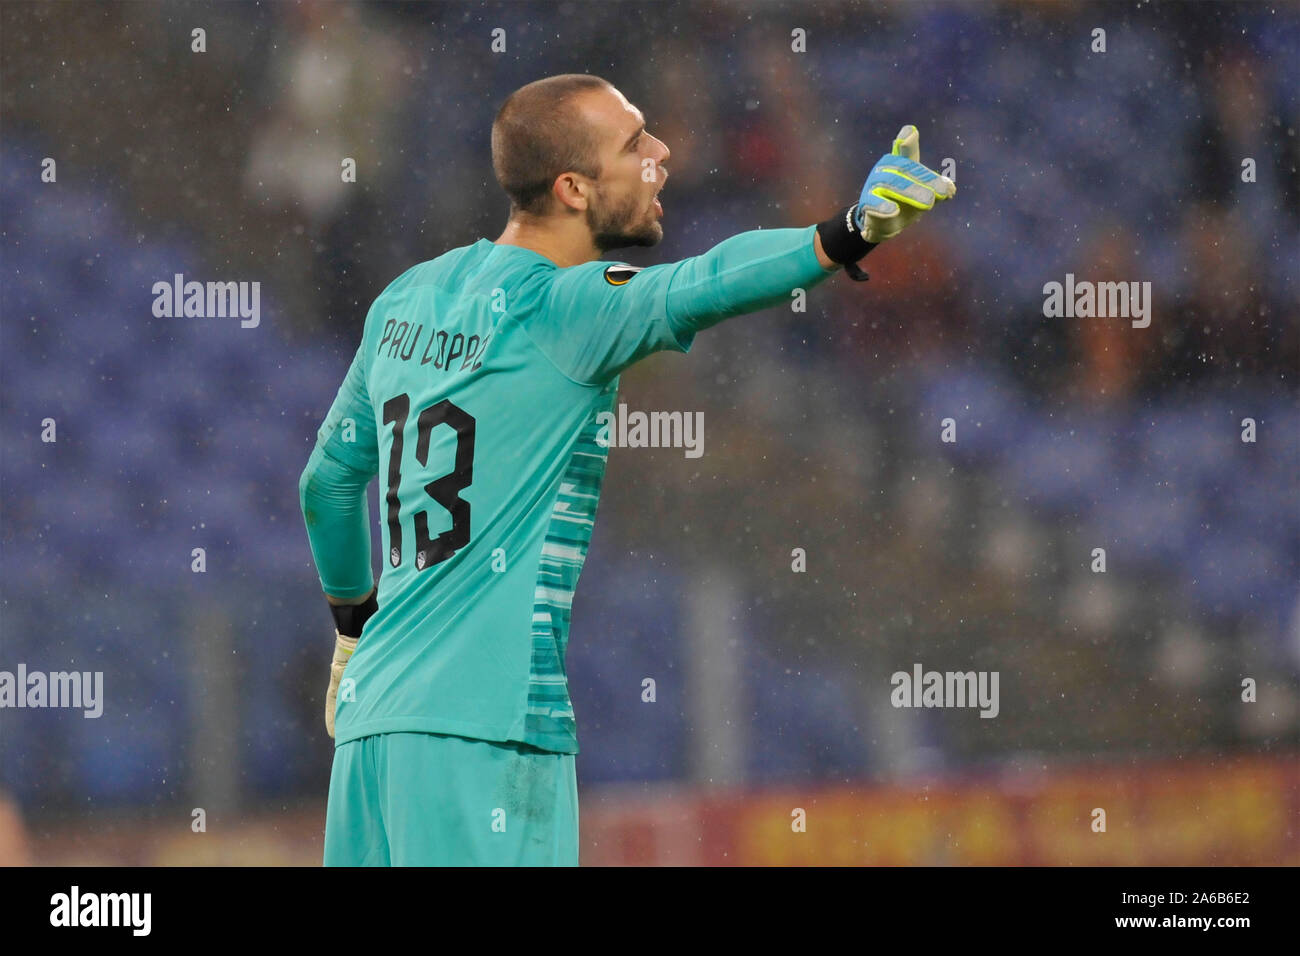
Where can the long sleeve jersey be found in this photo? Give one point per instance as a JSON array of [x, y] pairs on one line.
[[475, 396]]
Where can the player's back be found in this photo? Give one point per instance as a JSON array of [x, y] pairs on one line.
[[477, 395], [489, 476]]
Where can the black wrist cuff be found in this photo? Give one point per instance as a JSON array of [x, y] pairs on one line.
[[351, 618], [843, 243]]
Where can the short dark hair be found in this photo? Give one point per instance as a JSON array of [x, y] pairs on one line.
[[537, 135]]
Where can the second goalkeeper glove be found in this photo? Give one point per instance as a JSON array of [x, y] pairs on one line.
[[343, 648], [349, 620]]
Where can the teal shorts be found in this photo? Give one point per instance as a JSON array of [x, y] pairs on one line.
[[415, 799]]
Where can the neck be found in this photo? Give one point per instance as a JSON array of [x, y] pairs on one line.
[[565, 242]]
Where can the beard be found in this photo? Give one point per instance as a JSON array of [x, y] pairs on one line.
[[616, 225]]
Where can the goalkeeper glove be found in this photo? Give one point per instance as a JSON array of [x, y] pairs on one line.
[[343, 648], [896, 193], [899, 190], [349, 619]]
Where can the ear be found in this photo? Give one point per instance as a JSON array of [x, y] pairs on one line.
[[570, 192]]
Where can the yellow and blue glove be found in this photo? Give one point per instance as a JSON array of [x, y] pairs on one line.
[[899, 190]]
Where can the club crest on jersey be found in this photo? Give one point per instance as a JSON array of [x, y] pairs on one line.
[[620, 273]]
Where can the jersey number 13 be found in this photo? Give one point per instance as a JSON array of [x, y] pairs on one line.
[[445, 490]]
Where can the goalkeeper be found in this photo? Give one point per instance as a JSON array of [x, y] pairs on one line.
[[474, 396]]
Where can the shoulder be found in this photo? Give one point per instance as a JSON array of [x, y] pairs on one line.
[[443, 269], [446, 269], [598, 277]]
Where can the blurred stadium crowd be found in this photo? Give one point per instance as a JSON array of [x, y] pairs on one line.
[[821, 428]]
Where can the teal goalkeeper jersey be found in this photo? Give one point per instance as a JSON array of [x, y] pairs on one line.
[[474, 397]]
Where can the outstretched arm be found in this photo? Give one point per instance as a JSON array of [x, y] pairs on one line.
[[596, 319]]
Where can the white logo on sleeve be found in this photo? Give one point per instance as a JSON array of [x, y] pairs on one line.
[[620, 272]]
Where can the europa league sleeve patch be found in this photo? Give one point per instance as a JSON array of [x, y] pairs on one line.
[[620, 273]]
